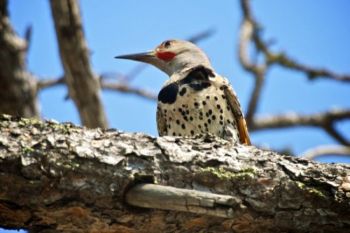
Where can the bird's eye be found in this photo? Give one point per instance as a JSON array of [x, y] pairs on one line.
[[166, 44]]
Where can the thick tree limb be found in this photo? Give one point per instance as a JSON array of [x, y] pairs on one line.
[[58, 177], [82, 84], [17, 86]]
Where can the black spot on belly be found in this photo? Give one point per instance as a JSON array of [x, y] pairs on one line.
[[168, 94], [183, 91]]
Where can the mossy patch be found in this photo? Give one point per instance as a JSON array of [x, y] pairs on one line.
[[311, 190]]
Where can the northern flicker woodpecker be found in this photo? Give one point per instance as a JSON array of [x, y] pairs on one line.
[[194, 100]]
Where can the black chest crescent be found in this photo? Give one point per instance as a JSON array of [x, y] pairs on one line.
[[197, 79]]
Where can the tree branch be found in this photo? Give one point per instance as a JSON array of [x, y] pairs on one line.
[[324, 120], [250, 34], [312, 73], [59, 177], [281, 58], [17, 86], [125, 88], [115, 86], [82, 84], [323, 150], [247, 31]]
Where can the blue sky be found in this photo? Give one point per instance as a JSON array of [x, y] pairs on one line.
[[314, 32]]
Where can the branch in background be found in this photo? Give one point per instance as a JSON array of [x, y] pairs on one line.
[[325, 120], [17, 86], [281, 58], [46, 83], [125, 88], [250, 34], [312, 73], [82, 84], [196, 38], [248, 28], [114, 86], [324, 150]]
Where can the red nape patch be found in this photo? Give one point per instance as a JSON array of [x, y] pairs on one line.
[[166, 56]]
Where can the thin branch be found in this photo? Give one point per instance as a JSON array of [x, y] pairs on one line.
[[201, 35], [311, 72], [325, 120], [115, 86], [125, 88], [326, 150], [47, 83]]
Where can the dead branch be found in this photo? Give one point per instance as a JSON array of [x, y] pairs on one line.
[[311, 72], [250, 35], [247, 31], [250, 25], [105, 85], [17, 86], [82, 84], [324, 120], [125, 88], [323, 150], [59, 177]]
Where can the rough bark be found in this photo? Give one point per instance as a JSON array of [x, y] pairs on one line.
[[62, 178], [17, 86], [83, 85]]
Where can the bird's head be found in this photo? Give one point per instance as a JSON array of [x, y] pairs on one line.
[[172, 56]]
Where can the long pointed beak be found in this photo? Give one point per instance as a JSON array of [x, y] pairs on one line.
[[147, 57]]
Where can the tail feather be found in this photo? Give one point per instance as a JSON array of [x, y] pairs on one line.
[[243, 132]]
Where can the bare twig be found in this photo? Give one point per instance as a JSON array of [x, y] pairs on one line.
[[311, 72], [46, 83], [82, 84], [201, 35], [125, 88], [326, 150], [325, 120], [115, 86]]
